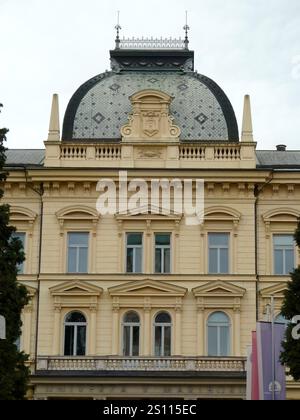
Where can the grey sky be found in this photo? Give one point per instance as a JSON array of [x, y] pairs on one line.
[[246, 46]]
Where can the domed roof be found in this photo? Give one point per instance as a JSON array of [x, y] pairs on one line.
[[101, 106]]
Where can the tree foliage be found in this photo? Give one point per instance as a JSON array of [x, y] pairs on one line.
[[13, 297], [291, 308]]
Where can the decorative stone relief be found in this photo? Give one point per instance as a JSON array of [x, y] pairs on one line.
[[150, 119]]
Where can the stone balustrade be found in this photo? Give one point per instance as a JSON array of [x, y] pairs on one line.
[[177, 364]]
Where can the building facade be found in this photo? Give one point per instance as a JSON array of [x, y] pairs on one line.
[[142, 304]]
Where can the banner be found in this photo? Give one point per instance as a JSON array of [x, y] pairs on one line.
[[254, 373], [271, 372]]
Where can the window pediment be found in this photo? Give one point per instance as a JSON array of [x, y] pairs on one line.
[[77, 288], [149, 213], [21, 214], [147, 288], [219, 289], [277, 291], [78, 213], [281, 215], [222, 214]]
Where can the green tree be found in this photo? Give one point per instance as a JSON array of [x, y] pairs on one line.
[[291, 308], [13, 297]]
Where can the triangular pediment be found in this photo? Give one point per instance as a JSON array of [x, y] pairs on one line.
[[147, 288], [219, 288], [277, 291], [76, 288]]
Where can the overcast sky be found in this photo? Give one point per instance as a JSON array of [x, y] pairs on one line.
[[246, 46]]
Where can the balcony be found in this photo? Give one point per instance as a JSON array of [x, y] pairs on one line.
[[171, 364], [157, 155]]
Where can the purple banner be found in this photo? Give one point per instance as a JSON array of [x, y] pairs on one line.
[[271, 372]]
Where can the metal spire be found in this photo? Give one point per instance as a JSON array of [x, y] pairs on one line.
[[186, 28], [118, 28]]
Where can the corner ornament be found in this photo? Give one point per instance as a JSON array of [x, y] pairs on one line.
[[150, 119]]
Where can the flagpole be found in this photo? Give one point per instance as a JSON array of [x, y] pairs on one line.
[[273, 349]]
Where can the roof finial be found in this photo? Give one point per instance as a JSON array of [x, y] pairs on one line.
[[247, 129], [118, 28], [54, 130], [186, 28]]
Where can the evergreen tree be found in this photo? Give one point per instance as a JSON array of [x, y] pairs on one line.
[[291, 308], [13, 297]]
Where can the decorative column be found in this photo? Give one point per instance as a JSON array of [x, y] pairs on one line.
[[235, 247], [178, 338], [94, 247], [56, 330], [200, 330], [146, 348], [115, 327], [93, 330], [27, 329], [237, 331]]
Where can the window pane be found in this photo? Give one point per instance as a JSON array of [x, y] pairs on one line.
[[163, 318], [224, 341], [158, 260], [213, 261], [81, 341], [138, 260], [163, 239], [212, 341], [126, 341], [289, 261], [136, 341], [75, 317], [167, 343], [132, 317], [83, 260], [218, 239], [158, 338], [278, 261], [224, 263], [167, 267], [129, 260], [72, 260], [283, 240], [78, 238], [134, 239], [218, 318], [69, 340]]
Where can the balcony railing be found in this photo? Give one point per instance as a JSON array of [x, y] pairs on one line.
[[177, 364]]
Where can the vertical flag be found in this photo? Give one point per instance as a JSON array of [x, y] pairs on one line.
[[249, 374], [254, 374], [271, 372]]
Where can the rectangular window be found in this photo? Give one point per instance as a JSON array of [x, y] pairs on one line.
[[22, 237], [218, 253], [78, 246], [284, 254], [163, 253], [134, 252]]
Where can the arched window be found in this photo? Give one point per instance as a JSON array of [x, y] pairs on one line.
[[75, 334], [218, 333], [131, 334], [162, 327]]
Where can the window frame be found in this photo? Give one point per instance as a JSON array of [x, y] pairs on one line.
[[163, 326], [75, 325], [134, 247], [219, 326], [88, 247], [282, 248], [131, 325], [162, 254], [229, 249]]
